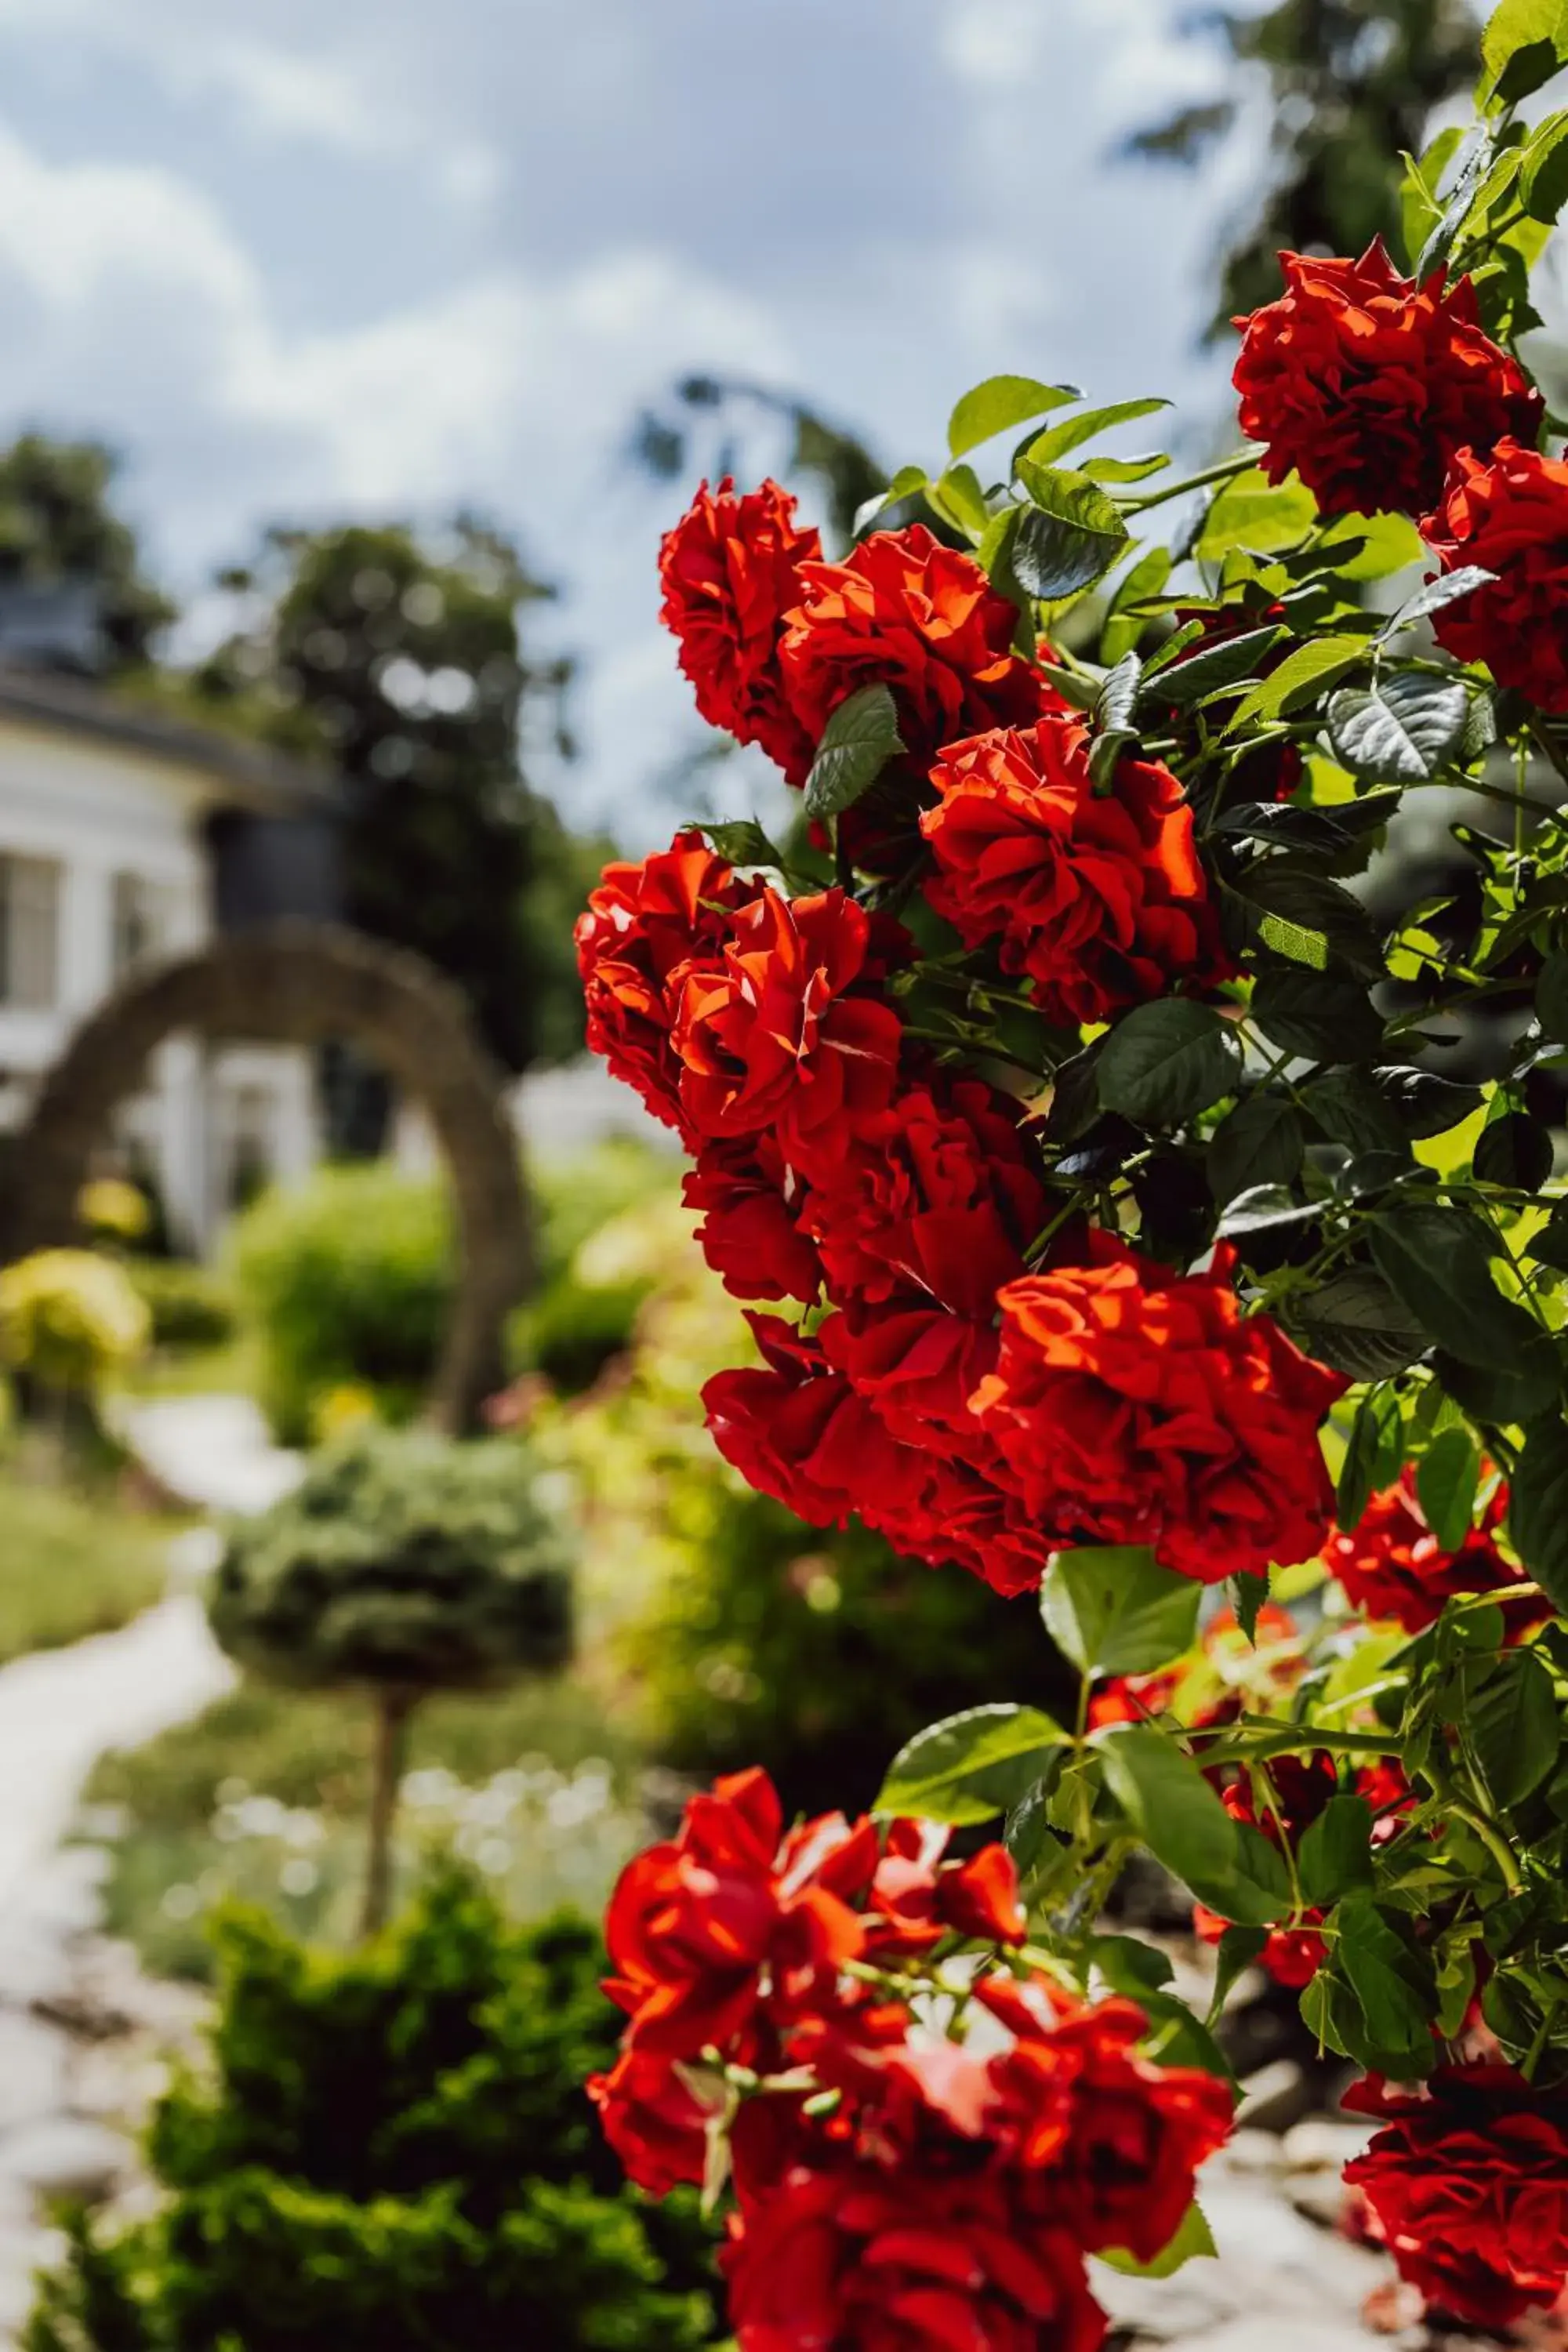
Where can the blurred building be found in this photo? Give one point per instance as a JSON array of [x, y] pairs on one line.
[[126, 834]]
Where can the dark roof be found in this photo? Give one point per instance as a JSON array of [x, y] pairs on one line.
[[257, 777]]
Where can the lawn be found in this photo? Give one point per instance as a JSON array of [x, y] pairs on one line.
[[263, 1797], [70, 1566]]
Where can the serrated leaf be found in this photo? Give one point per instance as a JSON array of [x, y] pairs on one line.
[[971, 1767], [743, 843], [1447, 589], [1266, 1209], [1393, 1980], [1403, 731], [1194, 2240], [1317, 1015], [1305, 901], [1068, 536], [1226, 663], [1438, 1260], [1123, 628], [998, 405], [1515, 1150], [1446, 1477], [1057, 440], [1181, 1821], [1114, 730], [1261, 1141], [1115, 1610], [1335, 1854], [1511, 1722], [1164, 1063], [1525, 43], [1357, 1324], [1544, 172], [857, 743], [1299, 678], [1254, 513], [1538, 1507], [1375, 1433], [905, 482]]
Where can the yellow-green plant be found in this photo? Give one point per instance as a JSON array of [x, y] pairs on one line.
[[69, 1319]]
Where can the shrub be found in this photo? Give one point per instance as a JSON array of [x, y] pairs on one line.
[[404, 1564], [69, 1318], [348, 1278], [394, 2151], [189, 1306], [597, 1264]]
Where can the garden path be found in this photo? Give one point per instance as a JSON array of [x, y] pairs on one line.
[[60, 1711]]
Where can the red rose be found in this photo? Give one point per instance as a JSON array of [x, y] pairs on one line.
[[1467, 2188], [939, 1197], [781, 1036], [917, 1366], [1099, 901], [795, 1429], [922, 619], [697, 1924], [644, 927], [846, 2257], [653, 2120], [1391, 1565], [750, 1233], [1369, 385], [730, 569], [1136, 1406], [1508, 513]]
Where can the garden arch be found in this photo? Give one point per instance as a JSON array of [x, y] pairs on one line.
[[298, 983]]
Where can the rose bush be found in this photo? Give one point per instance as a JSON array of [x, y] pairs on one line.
[[1150, 1190]]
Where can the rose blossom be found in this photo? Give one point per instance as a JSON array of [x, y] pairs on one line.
[[730, 569], [1508, 513], [1467, 2188], [1369, 385], [1391, 1565], [645, 926], [1098, 900], [1136, 1406], [750, 1233], [922, 619], [786, 1034]]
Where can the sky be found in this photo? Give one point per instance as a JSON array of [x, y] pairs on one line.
[[386, 258]]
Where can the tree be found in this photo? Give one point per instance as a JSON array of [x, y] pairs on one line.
[[58, 530], [401, 1565], [1349, 86], [721, 411], [401, 660]]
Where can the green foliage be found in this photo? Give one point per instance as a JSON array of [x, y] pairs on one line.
[[189, 1306], [75, 1565], [349, 1277], [402, 1561], [59, 526], [70, 1319], [1348, 86], [400, 658], [392, 2150]]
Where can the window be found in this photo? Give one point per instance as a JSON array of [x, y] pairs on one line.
[[29, 932], [138, 921]]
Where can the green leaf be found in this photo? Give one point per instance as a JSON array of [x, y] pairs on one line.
[[1438, 1260], [998, 405], [1353, 1110], [1446, 1477], [1372, 547], [1250, 512], [1219, 664], [1116, 1611], [1301, 679], [1375, 1433], [1447, 589], [1524, 44], [1193, 2241], [1301, 899], [1335, 1855], [856, 744], [1068, 536], [1181, 1821], [1264, 1208], [1395, 1985], [1403, 731], [1424, 1104], [1125, 469], [1143, 579], [1498, 1399], [1471, 159], [1261, 1141], [1164, 1063], [1552, 999], [1538, 1507], [743, 843], [1114, 729], [971, 1767], [960, 499], [1543, 174], [1318, 1016], [1511, 1722], [905, 482], [1057, 439], [1357, 1324], [1130, 1967], [1515, 1150], [1550, 1245]]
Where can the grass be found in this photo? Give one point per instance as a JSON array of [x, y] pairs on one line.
[[233, 1369], [73, 1565], [263, 1797]]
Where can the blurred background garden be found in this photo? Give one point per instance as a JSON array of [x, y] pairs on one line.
[[354, 364]]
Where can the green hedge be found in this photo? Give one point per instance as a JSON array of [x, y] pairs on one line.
[[393, 2152]]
